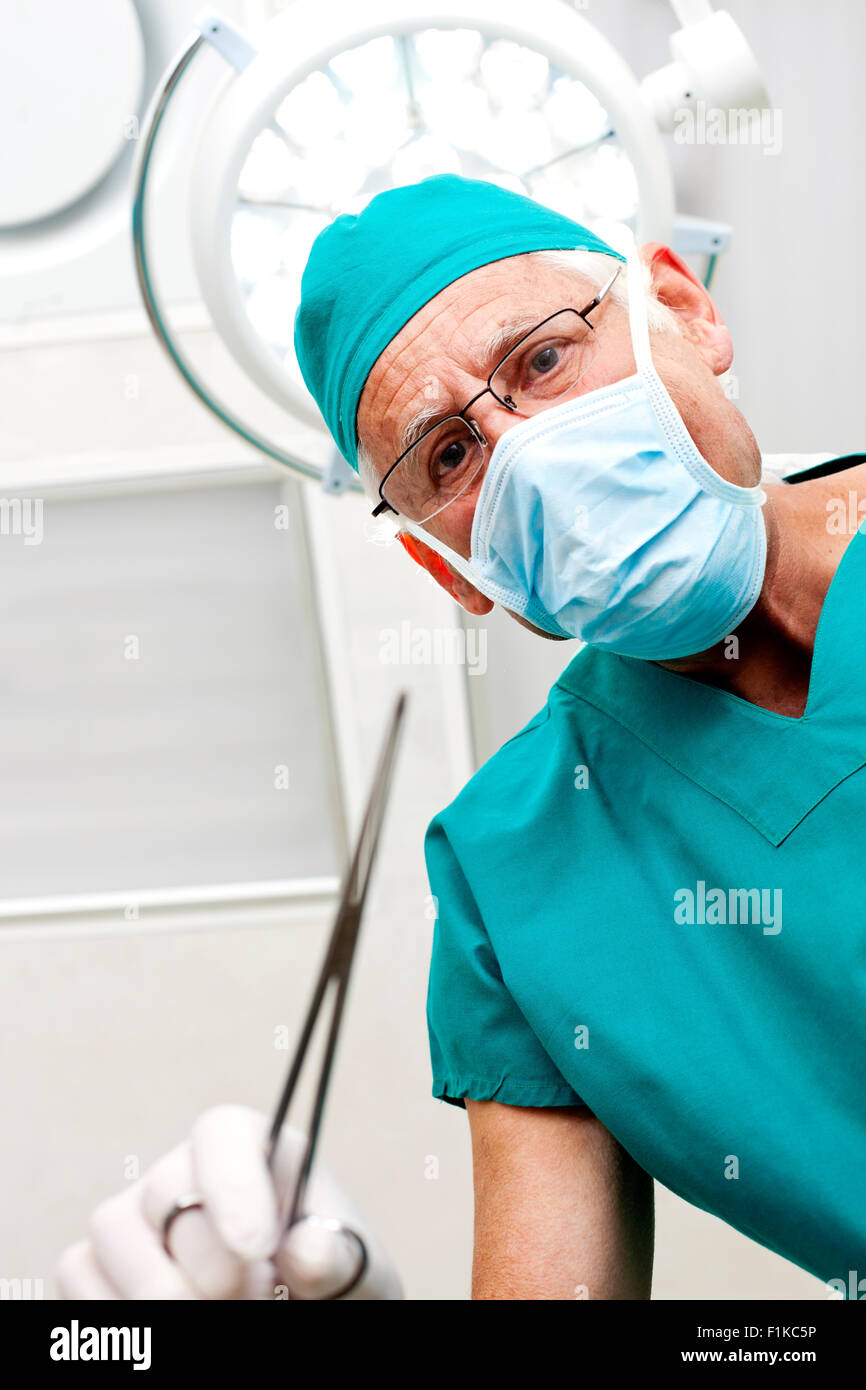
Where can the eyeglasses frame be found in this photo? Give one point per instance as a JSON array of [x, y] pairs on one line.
[[509, 405]]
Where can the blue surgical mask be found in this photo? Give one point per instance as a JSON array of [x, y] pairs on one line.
[[599, 519]]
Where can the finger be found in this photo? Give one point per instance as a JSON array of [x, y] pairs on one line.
[[228, 1149], [129, 1251], [260, 1281], [78, 1275], [317, 1261], [193, 1239]]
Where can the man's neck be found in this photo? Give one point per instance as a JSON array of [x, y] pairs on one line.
[[770, 664]]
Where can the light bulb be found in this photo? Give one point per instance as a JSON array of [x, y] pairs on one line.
[[270, 309], [269, 168], [608, 183], [378, 124], [459, 113], [256, 249], [370, 64], [514, 75], [448, 55], [574, 114], [312, 112], [518, 140]]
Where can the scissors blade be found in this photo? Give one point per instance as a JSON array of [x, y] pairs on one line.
[[338, 960]]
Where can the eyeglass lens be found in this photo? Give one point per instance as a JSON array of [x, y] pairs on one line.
[[441, 466]]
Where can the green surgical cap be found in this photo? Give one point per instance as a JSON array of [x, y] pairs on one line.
[[367, 274]]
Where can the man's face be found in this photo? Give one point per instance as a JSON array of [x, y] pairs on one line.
[[438, 360]]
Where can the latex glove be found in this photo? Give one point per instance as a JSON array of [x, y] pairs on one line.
[[230, 1249]]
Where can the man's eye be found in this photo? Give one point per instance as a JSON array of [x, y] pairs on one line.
[[544, 360], [447, 458]]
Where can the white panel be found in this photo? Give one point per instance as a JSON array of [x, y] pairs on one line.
[[84, 71], [121, 771], [70, 81]]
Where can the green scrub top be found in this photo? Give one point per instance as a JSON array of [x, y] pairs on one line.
[[650, 902]]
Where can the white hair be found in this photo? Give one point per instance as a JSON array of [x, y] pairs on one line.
[[593, 267]]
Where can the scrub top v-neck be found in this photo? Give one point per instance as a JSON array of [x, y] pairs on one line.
[[650, 902]]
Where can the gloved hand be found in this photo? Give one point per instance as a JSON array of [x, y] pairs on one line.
[[232, 1248]]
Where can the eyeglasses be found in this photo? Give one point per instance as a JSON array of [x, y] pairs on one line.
[[543, 365]]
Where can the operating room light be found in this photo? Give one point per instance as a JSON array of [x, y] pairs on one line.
[[392, 111], [335, 102]]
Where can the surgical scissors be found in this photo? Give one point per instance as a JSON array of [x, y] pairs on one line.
[[335, 971]]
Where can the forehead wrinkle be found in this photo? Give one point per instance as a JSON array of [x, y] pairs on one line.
[[416, 425], [412, 335]]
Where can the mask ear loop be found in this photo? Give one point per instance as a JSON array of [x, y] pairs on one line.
[[436, 566], [463, 567], [624, 240]]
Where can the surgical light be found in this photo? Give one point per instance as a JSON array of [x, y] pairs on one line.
[[331, 104]]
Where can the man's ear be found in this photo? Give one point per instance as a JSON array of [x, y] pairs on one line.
[[459, 588], [677, 287]]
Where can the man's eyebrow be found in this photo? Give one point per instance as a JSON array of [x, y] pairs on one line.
[[500, 342], [425, 417], [504, 338]]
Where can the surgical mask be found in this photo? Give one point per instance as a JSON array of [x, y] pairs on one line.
[[599, 519]]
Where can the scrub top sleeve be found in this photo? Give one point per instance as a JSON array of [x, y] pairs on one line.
[[481, 1046]]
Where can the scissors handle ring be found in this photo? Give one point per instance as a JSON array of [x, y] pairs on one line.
[[190, 1201], [333, 1223]]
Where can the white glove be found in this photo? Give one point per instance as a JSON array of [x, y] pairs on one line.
[[232, 1248]]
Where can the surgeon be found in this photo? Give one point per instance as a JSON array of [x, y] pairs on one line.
[[650, 953]]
